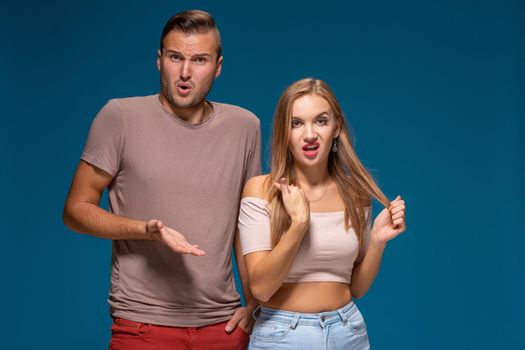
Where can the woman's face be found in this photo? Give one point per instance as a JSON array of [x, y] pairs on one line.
[[313, 128]]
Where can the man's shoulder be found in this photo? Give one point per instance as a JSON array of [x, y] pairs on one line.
[[236, 112], [134, 102]]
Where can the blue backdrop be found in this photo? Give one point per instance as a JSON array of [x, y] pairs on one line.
[[434, 91]]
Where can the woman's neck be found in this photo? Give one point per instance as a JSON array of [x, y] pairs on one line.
[[312, 177]]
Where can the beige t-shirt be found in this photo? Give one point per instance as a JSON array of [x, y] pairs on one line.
[[190, 177], [327, 252]]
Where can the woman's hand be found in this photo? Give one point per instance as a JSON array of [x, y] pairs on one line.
[[390, 222], [295, 202]]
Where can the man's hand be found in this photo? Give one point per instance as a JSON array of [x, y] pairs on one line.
[[173, 239], [242, 318]]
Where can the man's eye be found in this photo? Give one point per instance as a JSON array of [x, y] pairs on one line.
[[175, 57], [200, 60]]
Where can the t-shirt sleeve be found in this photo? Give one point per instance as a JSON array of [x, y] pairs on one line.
[[366, 236], [105, 141], [254, 158], [254, 225]]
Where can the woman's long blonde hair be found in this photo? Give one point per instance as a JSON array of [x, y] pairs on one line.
[[355, 185]]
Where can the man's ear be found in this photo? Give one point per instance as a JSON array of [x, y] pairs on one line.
[[159, 54], [219, 67]]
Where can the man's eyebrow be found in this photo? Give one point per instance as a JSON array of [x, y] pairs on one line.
[[201, 55]]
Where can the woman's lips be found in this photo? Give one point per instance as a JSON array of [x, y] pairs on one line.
[[310, 150]]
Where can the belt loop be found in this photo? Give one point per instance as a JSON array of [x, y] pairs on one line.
[[256, 312], [295, 320], [343, 316]]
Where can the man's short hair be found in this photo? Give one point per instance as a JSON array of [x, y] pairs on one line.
[[190, 22]]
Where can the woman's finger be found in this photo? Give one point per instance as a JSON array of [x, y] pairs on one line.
[[284, 184], [397, 209], [398, 215], [401, 227], [397, 222]]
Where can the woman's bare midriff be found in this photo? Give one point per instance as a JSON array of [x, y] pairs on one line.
[[310, 297]]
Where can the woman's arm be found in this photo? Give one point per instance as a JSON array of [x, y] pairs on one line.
[[365, 273], [388, 225], [267, 270]]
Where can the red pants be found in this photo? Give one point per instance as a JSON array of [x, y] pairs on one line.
[[130, 335]]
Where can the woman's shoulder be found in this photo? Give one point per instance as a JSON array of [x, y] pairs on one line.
[[257, 187]]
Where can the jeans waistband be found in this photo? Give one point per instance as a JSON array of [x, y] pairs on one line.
[[299, 318]]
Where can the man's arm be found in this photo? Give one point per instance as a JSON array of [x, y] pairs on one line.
[[83, 214], [243, 316], [251, 302]]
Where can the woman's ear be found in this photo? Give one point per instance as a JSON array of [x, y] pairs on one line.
[[337, 130]]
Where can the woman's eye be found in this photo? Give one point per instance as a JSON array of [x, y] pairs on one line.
[[322, 121], [295, 123]]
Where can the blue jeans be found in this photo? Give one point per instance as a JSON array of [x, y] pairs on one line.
[[343, 328]]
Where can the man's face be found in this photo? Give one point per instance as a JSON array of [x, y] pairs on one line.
[[188, 65]]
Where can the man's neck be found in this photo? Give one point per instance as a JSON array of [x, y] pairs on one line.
[[192, 115]]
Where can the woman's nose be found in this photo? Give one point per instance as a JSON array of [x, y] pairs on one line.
[[309, 135]]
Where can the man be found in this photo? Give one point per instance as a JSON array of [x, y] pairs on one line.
[[175, 165]]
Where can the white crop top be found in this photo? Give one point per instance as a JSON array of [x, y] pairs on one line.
[[327, 253]]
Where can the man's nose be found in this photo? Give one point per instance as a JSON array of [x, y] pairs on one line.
[[185, 71]]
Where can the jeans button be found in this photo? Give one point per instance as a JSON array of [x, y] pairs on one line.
[[323, 318]]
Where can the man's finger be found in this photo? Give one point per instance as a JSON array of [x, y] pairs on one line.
[[233, 322], [178, 243], [191, 249], [183, 249], [151, 225], [197, 252]]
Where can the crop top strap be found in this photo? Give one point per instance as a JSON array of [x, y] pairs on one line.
[[254, 225]]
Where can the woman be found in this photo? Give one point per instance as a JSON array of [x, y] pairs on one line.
[[306, 230]]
